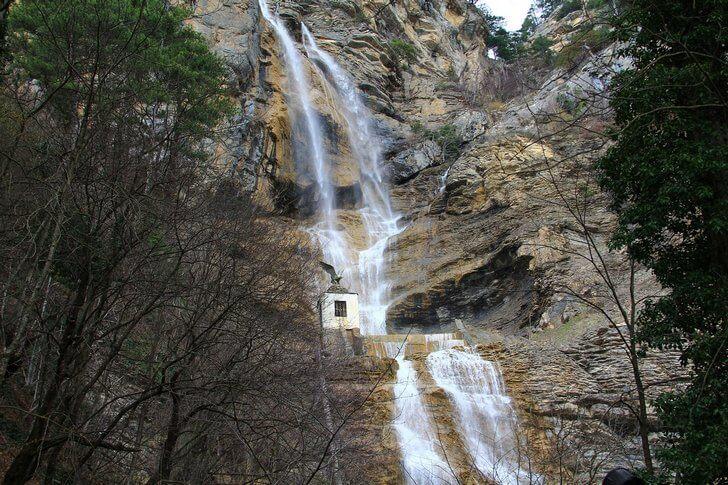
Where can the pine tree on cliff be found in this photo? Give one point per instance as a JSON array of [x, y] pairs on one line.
[[668, 174], [124, 96]]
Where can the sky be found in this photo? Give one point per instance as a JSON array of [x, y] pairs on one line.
[[514, 11]]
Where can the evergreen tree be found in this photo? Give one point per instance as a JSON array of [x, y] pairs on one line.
[[668, 174], [529, 24], [4, 11], [110, 106], [507, 45], [548, 7]]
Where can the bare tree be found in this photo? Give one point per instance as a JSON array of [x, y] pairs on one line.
[[154, 325], [566, 113]]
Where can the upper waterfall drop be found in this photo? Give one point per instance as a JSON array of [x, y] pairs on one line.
[[335, 248], [380, 221]]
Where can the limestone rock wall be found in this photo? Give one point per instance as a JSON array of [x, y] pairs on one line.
[[488, 244], [444, 41], [574, 400]]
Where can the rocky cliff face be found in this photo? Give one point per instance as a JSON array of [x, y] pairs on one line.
[[398, 53], [489, 244]]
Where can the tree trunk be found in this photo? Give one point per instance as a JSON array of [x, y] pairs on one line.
[[644, 428], [27, 460], [13, 350], [174, 429]]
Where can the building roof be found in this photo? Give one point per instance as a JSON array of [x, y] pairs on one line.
[[337, 288]]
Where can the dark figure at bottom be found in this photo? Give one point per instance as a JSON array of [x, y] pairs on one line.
[[622, 476]]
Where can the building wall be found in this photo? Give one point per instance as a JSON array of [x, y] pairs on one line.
[[328, 318]]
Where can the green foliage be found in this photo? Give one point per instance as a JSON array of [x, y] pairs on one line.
[[667, 175], [573, 103], [450, 141], [697, 421], [541, 49], [145, 262], [567, 7], [506, 44], [446, 136], [583, 43], [570, 56], [112, 52], [4, 10], [403, 51], [509, 46], [529, 24], [547, 7]]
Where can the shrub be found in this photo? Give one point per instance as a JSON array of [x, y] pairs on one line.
[[450, 141], [418, 128], [403, 50], [567, 7], [541, 48], [447, 137], [573, 103], [574, 53], [569, 56]]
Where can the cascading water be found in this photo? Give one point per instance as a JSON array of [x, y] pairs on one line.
[[443, 180], [420, 459], [484, 413], [473, 385], [380, 222], [302, 112]]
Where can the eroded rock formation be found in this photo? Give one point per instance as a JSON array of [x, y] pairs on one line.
[[488, 244]]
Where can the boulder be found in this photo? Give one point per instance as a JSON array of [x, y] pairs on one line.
[[408, 163]]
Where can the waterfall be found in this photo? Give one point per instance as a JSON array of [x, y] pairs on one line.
[[421, 462], [484, 413], [443, 180], [473, 385], [380, 222], [334, 248]]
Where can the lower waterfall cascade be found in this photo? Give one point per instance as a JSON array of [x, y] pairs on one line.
[[422, 459], [484, 415]]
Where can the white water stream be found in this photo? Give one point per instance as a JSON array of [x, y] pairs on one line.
[[443, 180], [419, 444], [486, 419], [380, 222], [474, 386], [300, 109]]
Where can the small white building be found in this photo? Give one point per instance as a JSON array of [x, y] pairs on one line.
[[339, 309]]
